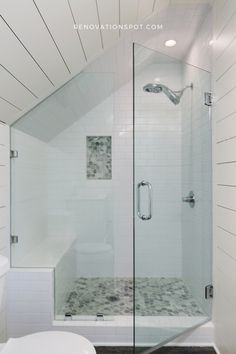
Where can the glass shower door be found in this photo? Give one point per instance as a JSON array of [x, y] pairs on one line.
[[172, 197]]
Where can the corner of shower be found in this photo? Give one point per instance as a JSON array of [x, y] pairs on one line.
[[84, 165]]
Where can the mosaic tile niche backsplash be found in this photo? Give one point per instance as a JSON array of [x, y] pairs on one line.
[[99, 165]]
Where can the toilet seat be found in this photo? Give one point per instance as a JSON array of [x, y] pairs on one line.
[[49, 343]]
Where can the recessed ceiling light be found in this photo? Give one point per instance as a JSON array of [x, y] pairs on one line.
[[170, 43], [211, 42]]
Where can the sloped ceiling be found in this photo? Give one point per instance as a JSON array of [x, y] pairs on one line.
[[41, 49]]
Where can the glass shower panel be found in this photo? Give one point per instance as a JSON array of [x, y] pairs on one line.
[[172, 157], [62, 195]]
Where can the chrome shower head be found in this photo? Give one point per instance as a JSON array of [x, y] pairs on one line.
[[174, 96], [154, 88]]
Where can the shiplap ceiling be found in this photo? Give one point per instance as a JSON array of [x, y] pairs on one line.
[[41, 49]]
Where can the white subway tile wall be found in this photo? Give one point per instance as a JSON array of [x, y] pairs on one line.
[[224, 133], [4, 219], [73, 199], [123, 181], [29, 301], [157, 159], [33, 310]]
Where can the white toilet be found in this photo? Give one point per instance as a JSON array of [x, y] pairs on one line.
[[49, 343]]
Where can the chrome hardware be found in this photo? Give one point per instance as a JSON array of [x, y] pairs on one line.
[[190, 199], [149, 186], [208, 99], [209, 292], [14, 239], [13, 154], [68, 316], [99, 317]]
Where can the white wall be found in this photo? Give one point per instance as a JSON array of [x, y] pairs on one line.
[[29, 197], [4, 219], [224, 145]]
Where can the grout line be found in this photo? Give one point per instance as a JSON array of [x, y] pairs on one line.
[[227, 23], [232, 89], [226, 185], [231, 233], [63, 59], [225, 71], [80, 40], [10, 103], [225, 49], [229, 255], [32, 93], [228, 116], [99, 21], [225, 162], [224, 207], [27, 50], [224, 140]]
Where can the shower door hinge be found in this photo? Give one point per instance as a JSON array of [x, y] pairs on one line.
[[68, 316], [99, 317], [208, 99], [209, 292], [14, 239], [13, 154]]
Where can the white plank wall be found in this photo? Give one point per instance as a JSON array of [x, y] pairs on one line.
[[109, 14], [24, 15], [4, 219], [4, 189], [61, 30], [41, 49], [224, 131]]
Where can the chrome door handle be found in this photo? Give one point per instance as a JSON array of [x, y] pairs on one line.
[[149, 186]]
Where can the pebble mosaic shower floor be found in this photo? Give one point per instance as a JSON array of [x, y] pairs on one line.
[[114, 297]]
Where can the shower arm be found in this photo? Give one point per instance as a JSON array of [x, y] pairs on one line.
[[180, 92]]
